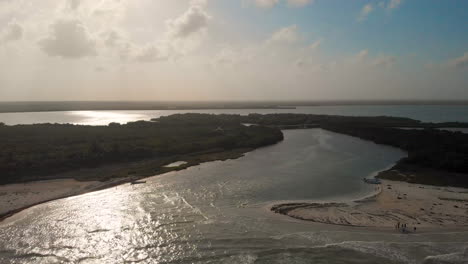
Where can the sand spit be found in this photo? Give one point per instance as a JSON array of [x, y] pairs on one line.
[[17, 197], [413, 204]]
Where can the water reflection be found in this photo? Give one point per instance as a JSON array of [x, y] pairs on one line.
[[94, 118], [215, 213], [428, 113]]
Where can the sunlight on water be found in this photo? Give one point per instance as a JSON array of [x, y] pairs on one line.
[[428, 113], [217, 213], [94, 118]]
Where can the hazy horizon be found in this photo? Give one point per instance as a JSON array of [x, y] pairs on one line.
[[242, 50]]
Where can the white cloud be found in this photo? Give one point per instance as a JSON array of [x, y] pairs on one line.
[[241, 56], [362, 54], [287, 35], [316, 44], [369, 8], [226, 57], [394, 4], [301, 63], [272, 3], [74, 4], [152, 53], [183, 34], [192, 21], [365, 11], [364, 59], [266, 3], [383, 61], [68, 39], [12, 32], [460, 62], [112, 38], [299, 3]]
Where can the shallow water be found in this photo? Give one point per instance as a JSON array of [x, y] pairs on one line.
[[218, 213], [427, 113]]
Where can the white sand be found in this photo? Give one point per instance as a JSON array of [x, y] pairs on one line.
[[16, 196], [413, 204], [176, 164]]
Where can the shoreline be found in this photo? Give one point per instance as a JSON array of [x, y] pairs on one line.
[[66, 185], [417, 205], [92, 186]]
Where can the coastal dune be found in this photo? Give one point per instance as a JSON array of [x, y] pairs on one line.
[[412, 204]]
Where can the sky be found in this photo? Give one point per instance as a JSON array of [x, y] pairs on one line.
[[205, 50]]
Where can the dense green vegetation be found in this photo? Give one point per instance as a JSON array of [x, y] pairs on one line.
[[439, 150], [29, 152], [441, 155]]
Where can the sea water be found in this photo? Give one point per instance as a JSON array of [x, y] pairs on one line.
[[218, 212], [426, 113]]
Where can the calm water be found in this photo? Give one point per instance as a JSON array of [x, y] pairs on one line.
[[431, 113], [217, 213]]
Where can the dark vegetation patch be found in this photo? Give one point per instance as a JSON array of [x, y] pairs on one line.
[[34, 152], [435, 157]]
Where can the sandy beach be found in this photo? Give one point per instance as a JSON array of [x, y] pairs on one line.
[[415, 205], [16, 197]]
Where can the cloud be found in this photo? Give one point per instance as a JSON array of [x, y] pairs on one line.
[[394, 4], [383, 61], [190, 22], [112, 38], [286, 35], [266, 3], [299, 3], [460, 62], [365, 11], [152, 53], [272, 3], [316, 44], [230, 56], [369, 8], [301, 63], [68, 39], [74, 4], [12, 32], [362, 54], [182, 36], [226, 57]]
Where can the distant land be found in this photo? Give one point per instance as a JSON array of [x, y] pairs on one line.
[[49, 106]]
